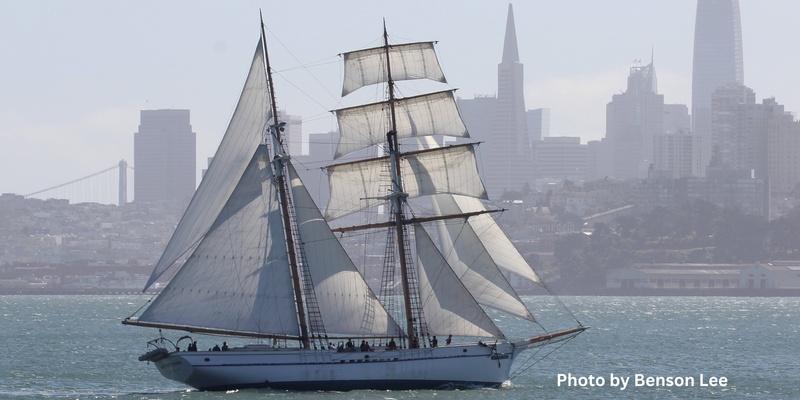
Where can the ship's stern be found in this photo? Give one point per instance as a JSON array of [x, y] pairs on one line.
[[175, 367]]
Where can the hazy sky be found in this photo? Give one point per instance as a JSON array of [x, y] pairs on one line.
[[76, 74]]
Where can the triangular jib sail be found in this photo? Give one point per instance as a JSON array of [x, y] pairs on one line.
[[245, 132], [448, 306]]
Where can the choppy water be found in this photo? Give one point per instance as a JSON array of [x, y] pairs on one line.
[[74, 347]]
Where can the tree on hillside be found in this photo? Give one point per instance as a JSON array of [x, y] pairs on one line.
[[740, 238]]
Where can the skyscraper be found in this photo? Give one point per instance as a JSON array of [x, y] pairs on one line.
[[783, 146], [728, 143], [633, 118], [718, 61], [561, 157], [164, 154], [510, 163], [538, 124], [676, 155]]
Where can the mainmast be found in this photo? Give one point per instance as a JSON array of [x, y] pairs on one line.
[[279, 165], [397, 199]]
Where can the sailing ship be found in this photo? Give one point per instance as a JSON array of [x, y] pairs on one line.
[[256, 258]]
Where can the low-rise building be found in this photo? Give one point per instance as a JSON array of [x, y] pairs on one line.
[[777, 275], [708, 277], [676, 276]]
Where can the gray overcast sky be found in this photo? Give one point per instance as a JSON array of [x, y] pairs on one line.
[[74, 75]]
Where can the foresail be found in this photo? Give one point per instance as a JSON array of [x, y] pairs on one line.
[[241, 139], [448, 307], [408, 61], [347, 304], [497, 244], [238, 277], [425, 115], [472, 262], [355, 186]]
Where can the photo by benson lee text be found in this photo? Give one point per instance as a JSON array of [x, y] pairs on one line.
[[623, 382]]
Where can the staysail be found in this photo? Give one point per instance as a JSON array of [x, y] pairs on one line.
[[472, 261], [244, 134], [497, 244], [447, 304], [347, 304], [237, 279]]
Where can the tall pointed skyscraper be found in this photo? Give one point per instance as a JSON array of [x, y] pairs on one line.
[[717, 61], [510, 164]]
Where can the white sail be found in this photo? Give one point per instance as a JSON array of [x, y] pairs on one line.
[[473, 263], [497, 244], [409, 61], [448, 307], [355, 186], [429, 114], [347, 304], [238, 277], [242, 137]]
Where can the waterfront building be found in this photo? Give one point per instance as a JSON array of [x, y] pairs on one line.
[[774, 275]]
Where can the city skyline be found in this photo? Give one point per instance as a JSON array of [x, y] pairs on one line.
[[77, 81]]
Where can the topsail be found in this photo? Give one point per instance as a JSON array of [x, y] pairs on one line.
[[409, 61]]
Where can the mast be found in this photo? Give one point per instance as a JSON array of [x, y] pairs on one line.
[[397, 198], [279, 164]]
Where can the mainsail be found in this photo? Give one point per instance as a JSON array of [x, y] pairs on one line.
[[237, 278]]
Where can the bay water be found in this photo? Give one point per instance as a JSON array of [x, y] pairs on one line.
[[74, 347]]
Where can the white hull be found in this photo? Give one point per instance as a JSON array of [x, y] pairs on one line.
[[294, 369]]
